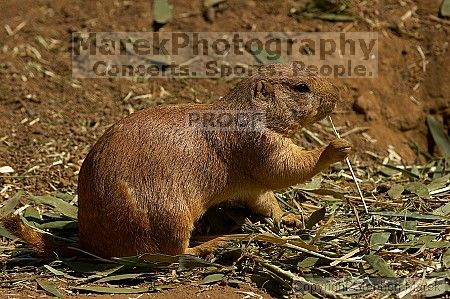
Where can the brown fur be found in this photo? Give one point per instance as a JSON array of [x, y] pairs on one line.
[[148, 179], [43, 245]]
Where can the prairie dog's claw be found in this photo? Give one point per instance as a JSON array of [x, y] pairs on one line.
[[338, 149], [292, 220]]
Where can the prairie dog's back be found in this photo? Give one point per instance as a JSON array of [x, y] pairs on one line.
[[147, 166]]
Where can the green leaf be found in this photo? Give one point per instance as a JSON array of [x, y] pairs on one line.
[[5, 233], [49, 287], [212, 278], [265, 57], [96, 270], [162, 12], [446, 259], [445, 8], [335, 17], [153, 261], [59, 273], [308, 262], [315, 183], [161, 258], [331, 192], [57, 225], [403, 171], [410, 225], [112, 290], [419, 189], [437, 290], [438, 183], [190, 261], [380, 265], [9, 205], [378, 240], [60, 205], [407, 214], [437, 244], [119, 277], [315, 218], [439, 135], [65, 196], [32, 214], [443, 210], [395, 192]]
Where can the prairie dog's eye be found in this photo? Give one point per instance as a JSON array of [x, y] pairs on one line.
[[302, 87]]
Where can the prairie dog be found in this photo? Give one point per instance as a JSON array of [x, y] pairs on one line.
[[153, 174]]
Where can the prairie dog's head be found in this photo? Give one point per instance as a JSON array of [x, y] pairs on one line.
[[291, 97]]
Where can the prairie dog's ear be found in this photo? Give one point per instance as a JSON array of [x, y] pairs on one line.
[[264, 89]]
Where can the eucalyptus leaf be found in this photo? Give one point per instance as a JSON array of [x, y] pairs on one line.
[[412, 215], [265, 57], [403, 171], [5, 233], [443, 210], [10, 204], [62, 225], [60, 205], [419, 189], [112, 290], [190, 261], [439, 135], [437, 290], [308, 262], [161, 258], [212, 278], [119, 277], [315, 183], [446, 258], [96, 269], [60, 273], [315, 218], [149, 260], [336, 17], [162, 12], [49, 288], [32, 214], [378, 240], [395, 192], [324, 191], [409, 225], [445, 8], [65, 196], [439, 183], [380, 265]]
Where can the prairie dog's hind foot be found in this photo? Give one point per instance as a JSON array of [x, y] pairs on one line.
[[292, 220], [208, 247]]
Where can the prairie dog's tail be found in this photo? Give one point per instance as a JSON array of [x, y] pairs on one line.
[[44, 245]]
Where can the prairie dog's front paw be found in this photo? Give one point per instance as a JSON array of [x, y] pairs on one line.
[[292, 220], [338, 149]]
